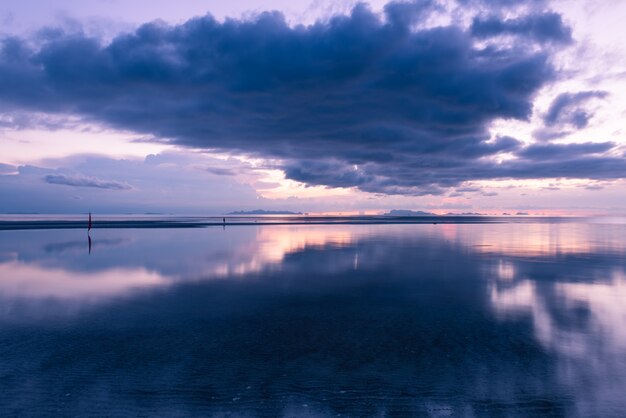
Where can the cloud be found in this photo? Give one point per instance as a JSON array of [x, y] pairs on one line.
[[168, 182], [403, 14], [567, 109], [219, 171], [564, 151], [7, 169], [406, 104], [468, 189], [500, 4], [548, 134], [78, 180], [541, 27]]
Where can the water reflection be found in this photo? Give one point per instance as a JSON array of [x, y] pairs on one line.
[[360, 320], [168, 255]]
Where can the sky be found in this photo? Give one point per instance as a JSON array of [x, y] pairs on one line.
[[207, 107]]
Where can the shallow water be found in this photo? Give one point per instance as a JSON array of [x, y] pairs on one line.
[[447, 320]]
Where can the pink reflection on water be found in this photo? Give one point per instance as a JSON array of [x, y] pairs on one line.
[[18, 279], [267, 249]]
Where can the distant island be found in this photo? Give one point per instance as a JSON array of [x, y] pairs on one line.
[[404, 212], [264, 212], [464, 214]]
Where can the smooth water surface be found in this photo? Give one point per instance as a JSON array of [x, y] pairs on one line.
[[446, 320]]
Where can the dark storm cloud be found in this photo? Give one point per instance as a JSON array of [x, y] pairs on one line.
[[564, 151], [544, 27], [399, 179], [379, 102], [83, 181], [402, 14], [567, 109]]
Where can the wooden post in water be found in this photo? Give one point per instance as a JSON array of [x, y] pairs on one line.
[[89, 236]]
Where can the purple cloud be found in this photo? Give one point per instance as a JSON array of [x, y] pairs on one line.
[[79, 180], [363, 100]]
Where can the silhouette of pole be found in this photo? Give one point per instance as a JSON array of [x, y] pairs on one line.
[[89, 236]]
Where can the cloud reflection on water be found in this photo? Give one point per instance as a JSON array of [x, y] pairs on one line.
[[52, 263], [457, 320]]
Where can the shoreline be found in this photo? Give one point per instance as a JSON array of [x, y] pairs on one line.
[[203, 222]]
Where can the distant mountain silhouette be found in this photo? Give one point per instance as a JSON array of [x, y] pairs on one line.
[[264, 212], [465, 214], [404, 212]]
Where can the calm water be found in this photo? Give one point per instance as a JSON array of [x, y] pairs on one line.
[[447, 320]]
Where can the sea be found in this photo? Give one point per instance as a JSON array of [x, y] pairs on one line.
[[305, 316]]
